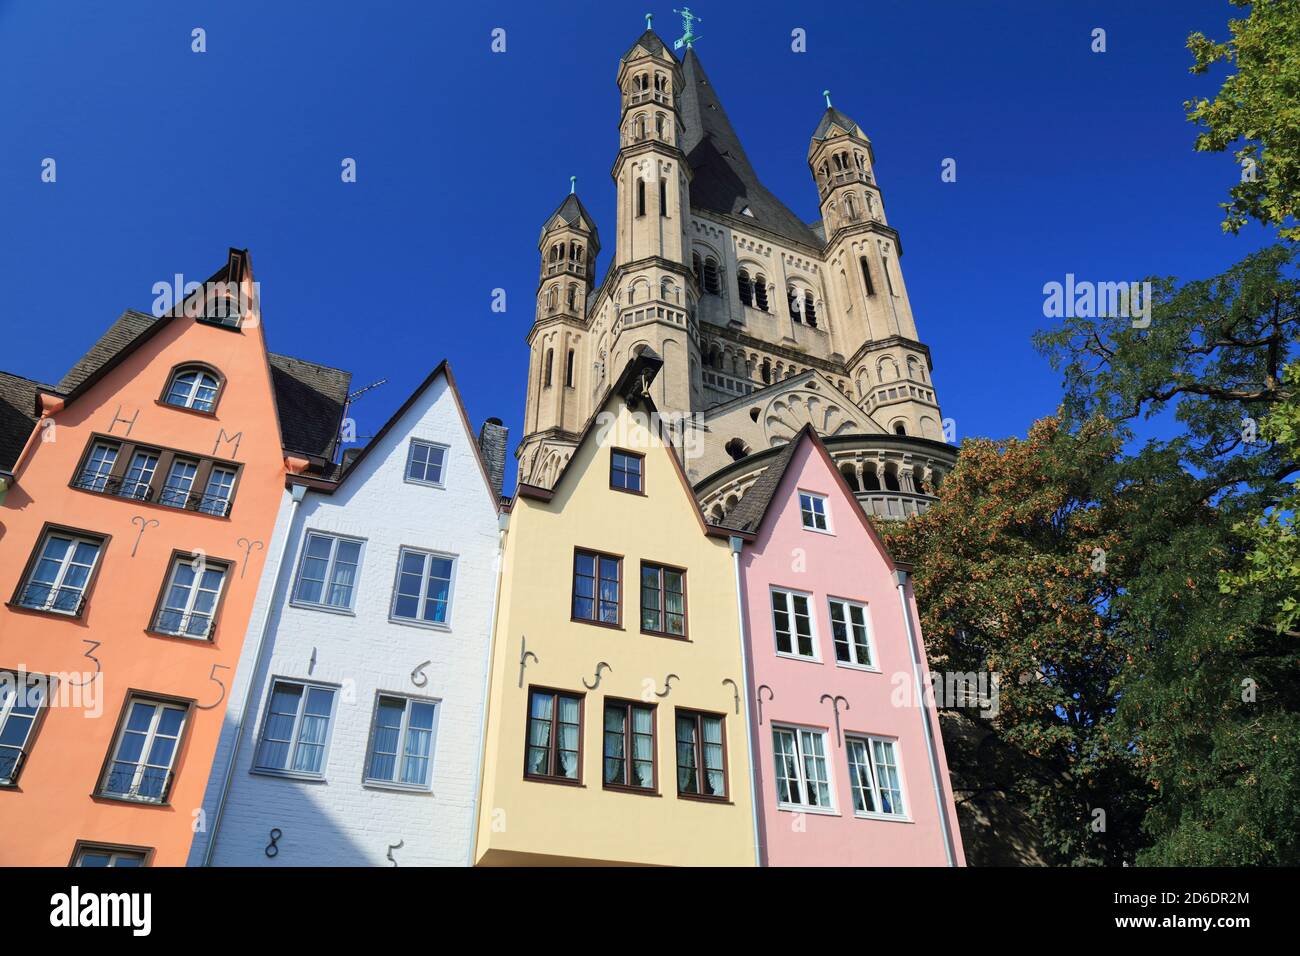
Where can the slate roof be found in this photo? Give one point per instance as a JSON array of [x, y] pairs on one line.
[[309, 398], [833, 117], [723, 180], [17, 415], [573, 212], [650, 40], [749, 511]]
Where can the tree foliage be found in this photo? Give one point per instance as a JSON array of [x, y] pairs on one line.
[[1258, 111]]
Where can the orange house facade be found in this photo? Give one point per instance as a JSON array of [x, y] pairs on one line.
[[134, 527]]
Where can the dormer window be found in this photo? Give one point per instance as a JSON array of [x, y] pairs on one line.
[[193, 387]]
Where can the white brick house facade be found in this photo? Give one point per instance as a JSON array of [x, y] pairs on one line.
[[327, 806]]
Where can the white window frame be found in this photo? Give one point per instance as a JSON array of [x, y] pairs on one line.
[[64, 563], [160, 706], [410, 457], [322, 605], [869, 740], [815, 496], [21, 683], [855, 664], [224, 492], [427, 555], [94, 478], [113, 853], [797, 731], [191, 397], [787, 595], [397, 784], [190, 598], [184, 489], [295, 731]]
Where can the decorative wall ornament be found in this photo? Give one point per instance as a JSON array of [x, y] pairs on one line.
[[524, 654], [835, 703], [668, 685], [90, 652], [248, 547], [735, 690], [787, 414], [212, 676], [272, 849], [222, 436], [771, 695], [599, 667], [144, 524], [418, 677], [119, 420], [394, 846]]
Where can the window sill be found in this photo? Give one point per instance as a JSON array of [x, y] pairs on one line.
[[701, 798], [604, 624], [557, 781], [441, 485], [628, 491], [424, 625], [667, 635], [345, 611], [826, 531], [884, 817], [209, 641], [636, 791], [218, 324], [43, 611], [98, 797], [184, 408], [288, 775], [864, 668], [396, 787], [156, 504], [798, 657], [818, 811]]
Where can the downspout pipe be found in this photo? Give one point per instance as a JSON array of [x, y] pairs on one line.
[[900, 579], [503, 523], [298, 492], [736, 544]]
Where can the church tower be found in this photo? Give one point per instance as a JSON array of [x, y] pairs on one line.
[[556, 409], [862, 254], [764, 322], [652, 290]]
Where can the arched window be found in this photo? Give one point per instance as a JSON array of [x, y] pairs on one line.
[[550, 361], [850, 476], [568, 370], [573, 298], [850, 208], [638, 128], [839, 163], [641, 83], [193, 387], [551, 299], [661, 86], [711, 276], [760, 292], [914, 371], [900, 428], [660, 129], [866, 276], [891, 477], [737, 449], [857, 158], [765, 370], [796, 303], [918, 480], [575, 252], [745, 288], [870, 480], [640, 197], [809, 310], [663, 198], [697, 268]]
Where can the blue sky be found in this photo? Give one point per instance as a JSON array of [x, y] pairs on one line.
[[1067, 161]]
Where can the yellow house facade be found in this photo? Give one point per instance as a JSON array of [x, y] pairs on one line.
[[617, 725]]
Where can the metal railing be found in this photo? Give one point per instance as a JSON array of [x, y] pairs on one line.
[[180, 624], [45, 597]]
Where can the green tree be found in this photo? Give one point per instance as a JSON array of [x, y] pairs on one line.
[[1210, 692], [1258, 107], [1017, 569]]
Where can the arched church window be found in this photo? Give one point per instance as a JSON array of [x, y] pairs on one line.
[[551, 300], [850, 209], [839, 163], [900, 428], [660, 128], [809, 310], [550, 361], [857, 158], [663, 198], [711, 276], [638, 129], [766, 371], [745, 287], [760, 292], [697, 268], [736, 448], [573, 298], [640, 197], [796, 303], [568, 370], [870, 479], [891, 477], [866, 276], [850, 476]]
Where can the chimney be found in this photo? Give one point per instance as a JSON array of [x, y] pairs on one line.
[[492, 444]]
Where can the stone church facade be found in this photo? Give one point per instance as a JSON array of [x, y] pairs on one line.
[[764, 323]]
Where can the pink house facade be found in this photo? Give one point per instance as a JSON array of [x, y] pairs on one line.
[[850, 763]]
